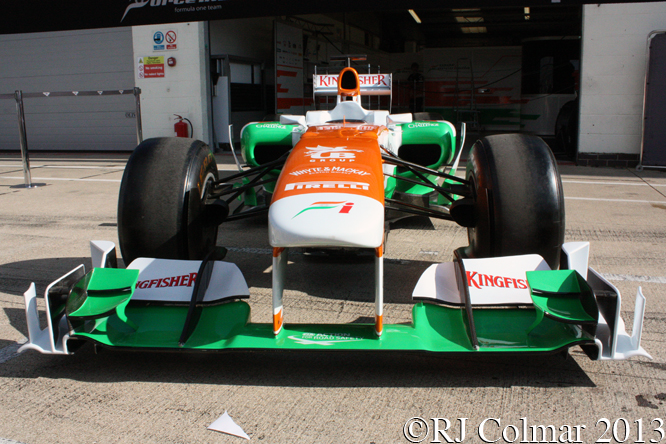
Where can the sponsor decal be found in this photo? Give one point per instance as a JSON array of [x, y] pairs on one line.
[[422, 125], [327, 185], [324, 338], [270, 125], [345, 207], [478, 280], [186, 280], [326, 153], [325, 170], [191, 5], [374, 80]]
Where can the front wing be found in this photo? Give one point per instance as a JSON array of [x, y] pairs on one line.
[[569, 307]]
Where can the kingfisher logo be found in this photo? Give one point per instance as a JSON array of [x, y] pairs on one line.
[[327, 153], [478, 280], [367, 80], [345, 207], [186, 280], [327, 185]]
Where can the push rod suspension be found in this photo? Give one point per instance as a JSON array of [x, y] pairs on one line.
[[414, 168], [415, 209]]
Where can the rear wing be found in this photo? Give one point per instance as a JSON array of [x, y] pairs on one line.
[[371, 84]]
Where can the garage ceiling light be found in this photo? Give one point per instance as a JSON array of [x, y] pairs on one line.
[[471, 29], [469, 19], [414, 16], [474, 29]]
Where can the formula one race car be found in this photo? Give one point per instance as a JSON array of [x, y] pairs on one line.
[[335, 179]]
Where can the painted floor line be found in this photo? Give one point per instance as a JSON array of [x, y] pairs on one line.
[[642, 184], [601, 199], [609, 276], [634, 278], [46, 179], [67, 167], [118, 181]]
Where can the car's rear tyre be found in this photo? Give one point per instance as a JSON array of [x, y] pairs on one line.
[[519, 203], [160, 211]]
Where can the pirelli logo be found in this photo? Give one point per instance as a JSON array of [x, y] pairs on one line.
[[327, 185]]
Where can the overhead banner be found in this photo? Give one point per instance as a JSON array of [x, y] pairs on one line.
[[19, 16]]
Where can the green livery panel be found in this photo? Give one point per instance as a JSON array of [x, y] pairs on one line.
[[435, 328], [427, 143], [265, 141]]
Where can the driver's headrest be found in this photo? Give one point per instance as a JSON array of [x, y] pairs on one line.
[[348, 83]]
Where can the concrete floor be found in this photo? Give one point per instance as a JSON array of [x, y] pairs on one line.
[[310, 397]]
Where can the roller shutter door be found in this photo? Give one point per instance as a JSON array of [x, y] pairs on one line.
[[69, 61]]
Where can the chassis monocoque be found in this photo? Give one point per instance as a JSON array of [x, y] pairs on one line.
[[336, 179]]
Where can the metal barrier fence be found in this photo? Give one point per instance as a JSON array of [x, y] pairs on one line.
[[23, 139]]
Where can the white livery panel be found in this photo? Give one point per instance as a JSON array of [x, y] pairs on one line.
[[326, 220]]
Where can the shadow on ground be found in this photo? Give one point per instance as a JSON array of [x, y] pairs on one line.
[[303, 369]]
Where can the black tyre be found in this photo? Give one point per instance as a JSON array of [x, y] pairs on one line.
[[519, 203], [160, 211]]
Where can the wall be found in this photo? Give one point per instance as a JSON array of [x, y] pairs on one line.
[[86, 60], [183, 89], [613, 76]]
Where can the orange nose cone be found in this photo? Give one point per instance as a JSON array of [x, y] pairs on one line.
[[348, 83]]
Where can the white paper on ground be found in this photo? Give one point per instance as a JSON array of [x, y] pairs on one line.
[[227, 425]]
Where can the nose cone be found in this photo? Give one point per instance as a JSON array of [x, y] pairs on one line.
[[326, 220]]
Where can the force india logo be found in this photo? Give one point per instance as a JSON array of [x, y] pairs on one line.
[[326, 153], [327, 185], [345, 207], [189, 5]]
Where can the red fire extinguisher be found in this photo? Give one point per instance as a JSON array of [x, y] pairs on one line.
[[180, 127]]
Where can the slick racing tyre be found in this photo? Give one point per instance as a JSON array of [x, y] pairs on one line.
[[519, 203], [160, 208]]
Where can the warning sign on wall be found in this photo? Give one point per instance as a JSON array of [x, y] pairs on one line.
[[170, 38], [150, 67], [165, 41]]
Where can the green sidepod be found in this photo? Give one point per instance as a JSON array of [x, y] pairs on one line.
[[427, 143]]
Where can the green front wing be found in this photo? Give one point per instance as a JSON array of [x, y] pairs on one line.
[[434, 328]]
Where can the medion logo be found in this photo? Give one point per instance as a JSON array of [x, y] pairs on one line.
[[478, 280]]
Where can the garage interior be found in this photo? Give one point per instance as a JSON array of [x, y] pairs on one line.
[[497, 69]]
